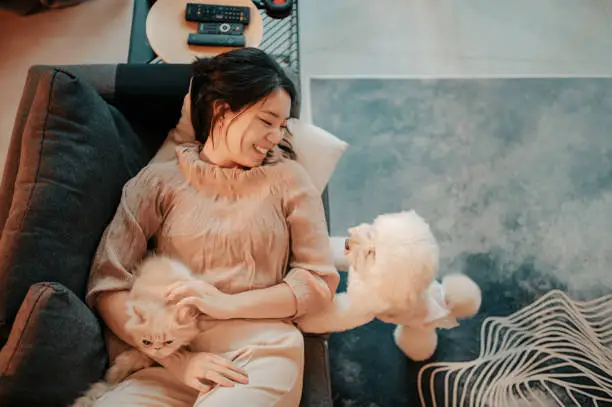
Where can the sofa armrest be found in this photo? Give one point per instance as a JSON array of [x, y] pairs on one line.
[[337, 246], [317, 380]]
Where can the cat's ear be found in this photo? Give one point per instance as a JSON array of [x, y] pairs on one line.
[[136, 313], [186, 313]]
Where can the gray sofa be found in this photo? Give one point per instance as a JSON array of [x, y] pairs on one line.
[[81, 132]]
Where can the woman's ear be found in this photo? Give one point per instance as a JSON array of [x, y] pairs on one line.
[[220, 107]]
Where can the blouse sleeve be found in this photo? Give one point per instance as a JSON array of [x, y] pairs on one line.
[[312, 275], [124, 242]]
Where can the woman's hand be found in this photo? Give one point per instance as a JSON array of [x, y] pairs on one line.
[[205, 297], [203, 370], [190, 288]]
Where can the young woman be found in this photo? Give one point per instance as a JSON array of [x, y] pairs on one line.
[[236, 208]]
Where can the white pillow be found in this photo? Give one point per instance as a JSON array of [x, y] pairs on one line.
[[317, 150]]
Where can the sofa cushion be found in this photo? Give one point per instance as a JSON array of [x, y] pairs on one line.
[[76, 153], [54, 351]]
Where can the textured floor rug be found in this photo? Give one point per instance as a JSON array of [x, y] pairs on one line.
[[515, 178]]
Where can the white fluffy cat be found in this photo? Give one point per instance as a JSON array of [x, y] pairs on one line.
[[157, 328]]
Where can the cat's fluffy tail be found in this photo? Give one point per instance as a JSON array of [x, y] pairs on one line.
[[126, 363]]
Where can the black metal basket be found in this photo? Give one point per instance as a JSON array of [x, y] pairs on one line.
[[281, 39]]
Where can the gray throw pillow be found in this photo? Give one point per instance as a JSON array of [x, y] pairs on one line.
[[55, 350]]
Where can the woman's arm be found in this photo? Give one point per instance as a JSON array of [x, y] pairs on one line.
[[112, 309], [274, 302], [123, 245], [312, 276], [124, 242], [312, 279]]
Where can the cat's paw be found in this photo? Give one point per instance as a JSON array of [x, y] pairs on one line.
[[125, 364]]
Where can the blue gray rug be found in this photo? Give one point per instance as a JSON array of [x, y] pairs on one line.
[[515, 178]]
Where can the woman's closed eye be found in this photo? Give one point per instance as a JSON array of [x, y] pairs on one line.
[[268, 123]]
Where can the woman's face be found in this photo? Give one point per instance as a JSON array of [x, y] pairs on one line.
[[244, 138]]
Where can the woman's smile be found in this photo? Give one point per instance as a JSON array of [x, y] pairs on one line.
[[261, 150]]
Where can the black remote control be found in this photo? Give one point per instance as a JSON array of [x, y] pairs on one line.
[[221, 28], [216, 40], [212, 13]]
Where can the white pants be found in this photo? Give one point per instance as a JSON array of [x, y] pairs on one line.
[[272, 352]]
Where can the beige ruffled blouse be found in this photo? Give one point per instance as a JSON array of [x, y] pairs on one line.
[[241, 229]]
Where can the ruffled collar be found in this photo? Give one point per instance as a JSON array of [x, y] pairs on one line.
[[211, 177]]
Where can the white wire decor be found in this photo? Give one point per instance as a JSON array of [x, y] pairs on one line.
[[554, 352]]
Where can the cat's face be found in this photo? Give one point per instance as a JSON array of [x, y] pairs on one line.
[[160, 331]]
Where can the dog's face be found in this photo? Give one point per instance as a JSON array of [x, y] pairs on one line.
[[393, 260]]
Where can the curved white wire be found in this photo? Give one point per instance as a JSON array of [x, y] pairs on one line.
[[547, 354]]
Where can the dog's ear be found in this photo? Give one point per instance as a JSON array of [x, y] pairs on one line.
[[362, 249], [369, 251], [369, 246], [363, 235]]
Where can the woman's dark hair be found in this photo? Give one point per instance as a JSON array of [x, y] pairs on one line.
[[241, 78]]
